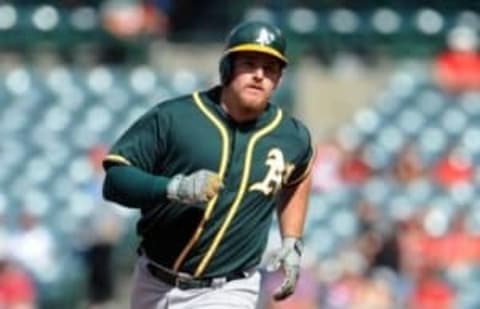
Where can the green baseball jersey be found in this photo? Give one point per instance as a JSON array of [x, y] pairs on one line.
[[254, 159]]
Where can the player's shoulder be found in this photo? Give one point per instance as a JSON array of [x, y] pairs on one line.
[[173, 104], [295, 128], [171, 108]]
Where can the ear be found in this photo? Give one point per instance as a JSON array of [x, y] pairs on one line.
[[226, 69]]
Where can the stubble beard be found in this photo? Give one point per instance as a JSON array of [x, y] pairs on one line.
[[244, 109], [253, 105]]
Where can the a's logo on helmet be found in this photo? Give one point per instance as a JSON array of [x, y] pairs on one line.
[[265, 37]]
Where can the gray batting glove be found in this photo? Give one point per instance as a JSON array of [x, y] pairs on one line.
[[198, 187], [288, 257]]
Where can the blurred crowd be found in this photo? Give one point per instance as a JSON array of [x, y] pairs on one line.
[[42, 268], [403, 262]]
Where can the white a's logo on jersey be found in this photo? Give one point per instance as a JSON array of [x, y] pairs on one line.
[[278, 173], [265, 37]]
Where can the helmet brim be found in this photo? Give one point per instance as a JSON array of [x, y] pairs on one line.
[[257, 48]]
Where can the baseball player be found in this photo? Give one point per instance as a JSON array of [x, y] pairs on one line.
[[207, 171]]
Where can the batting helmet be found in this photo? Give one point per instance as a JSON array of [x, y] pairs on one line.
[[252, 36]]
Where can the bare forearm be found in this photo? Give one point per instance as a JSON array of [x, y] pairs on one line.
[[292, 209]]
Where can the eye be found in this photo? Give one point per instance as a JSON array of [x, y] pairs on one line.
[[248, 63], [271, 68], [268, 67]]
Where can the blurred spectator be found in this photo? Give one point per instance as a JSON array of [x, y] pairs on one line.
[[431, 292], [326, 166], [100, 233], [354, 170], [458, 247], [412, 239], [128, 19], [369, 244], [458, 68], [368, 216], [369, 238], [33, 246], [379, 248], [379, 243], [373, 294], [16, 288], [408, 166], [455, 168], [343, 292], [388, 252]]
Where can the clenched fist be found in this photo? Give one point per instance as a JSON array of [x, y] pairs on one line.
[[198, 187]]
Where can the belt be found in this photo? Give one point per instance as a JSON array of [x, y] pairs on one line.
[[185, 281]]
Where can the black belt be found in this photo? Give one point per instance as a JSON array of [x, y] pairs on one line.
[[184, 281]]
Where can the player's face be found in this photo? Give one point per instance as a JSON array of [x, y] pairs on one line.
[[255, 77]]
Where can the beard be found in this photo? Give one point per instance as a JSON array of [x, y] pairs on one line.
[[253, 102], [245, 104]]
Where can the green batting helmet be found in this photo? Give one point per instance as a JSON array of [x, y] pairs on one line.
[[254, 36]]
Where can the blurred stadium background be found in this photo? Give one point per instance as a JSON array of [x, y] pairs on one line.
[[389, 89]]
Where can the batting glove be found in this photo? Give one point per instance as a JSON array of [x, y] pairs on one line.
[[288, 257], [199, 187]]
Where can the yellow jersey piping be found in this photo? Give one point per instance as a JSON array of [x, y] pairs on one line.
[[222, 169], [117, 159], [241, 192]]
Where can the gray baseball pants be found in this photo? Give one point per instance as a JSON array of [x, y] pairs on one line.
[[151, 293]]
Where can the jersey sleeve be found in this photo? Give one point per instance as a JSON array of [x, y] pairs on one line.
[[305, 158], [143, 143]]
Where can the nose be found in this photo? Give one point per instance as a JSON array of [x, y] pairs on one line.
[[259, 73]]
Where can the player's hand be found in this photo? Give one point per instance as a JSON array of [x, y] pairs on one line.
[[288, 257], [200, 186]]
